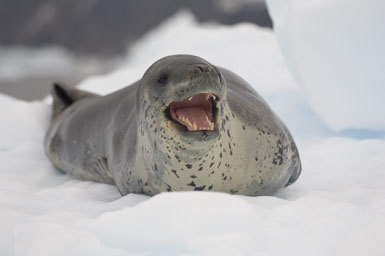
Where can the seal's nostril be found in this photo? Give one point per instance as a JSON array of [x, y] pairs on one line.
[[201, 67]]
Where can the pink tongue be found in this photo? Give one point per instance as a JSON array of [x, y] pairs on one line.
[[194, 115]]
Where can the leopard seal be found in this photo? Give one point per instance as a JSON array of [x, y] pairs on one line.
[[185, 125]]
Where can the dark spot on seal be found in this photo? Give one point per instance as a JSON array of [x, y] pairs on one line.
[[211, 164], [256, 159], [199, 188], [192, 184], [200, 169], [210, 187], [193, 176], [228, 133], [278, 159], [169, 188], [219, 164], [156, 167], [188, 166], [174, 171], [220, 155]]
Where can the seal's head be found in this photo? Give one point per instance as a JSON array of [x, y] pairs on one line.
[[183, 95]]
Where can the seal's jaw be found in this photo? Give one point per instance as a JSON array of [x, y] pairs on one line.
[[196, 113]]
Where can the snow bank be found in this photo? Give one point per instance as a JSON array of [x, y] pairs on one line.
[[336, 51], [337, 207]]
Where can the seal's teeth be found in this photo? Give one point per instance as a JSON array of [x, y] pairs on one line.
[[211, 124], [195, 127], [190, 98], [187, 121], [207, 119], [208, 96]]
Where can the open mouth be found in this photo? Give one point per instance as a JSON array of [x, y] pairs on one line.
[[196, 113]]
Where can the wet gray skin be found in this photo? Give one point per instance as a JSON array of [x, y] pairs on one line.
[[129, 138]]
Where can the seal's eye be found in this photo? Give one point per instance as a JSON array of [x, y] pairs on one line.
[[163, 79]]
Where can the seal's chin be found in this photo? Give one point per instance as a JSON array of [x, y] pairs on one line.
[[196, 113]]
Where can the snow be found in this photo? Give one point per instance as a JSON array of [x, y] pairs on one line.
[[336, 51], [337, 207]]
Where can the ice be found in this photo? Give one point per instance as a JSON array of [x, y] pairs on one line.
[[26, 119], [337, 207], [17, 62], [336, 51]]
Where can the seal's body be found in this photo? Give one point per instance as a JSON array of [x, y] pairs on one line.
[[186, 125]]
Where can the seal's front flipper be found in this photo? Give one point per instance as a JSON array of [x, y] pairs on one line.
[[64, 96], [100, 165]]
